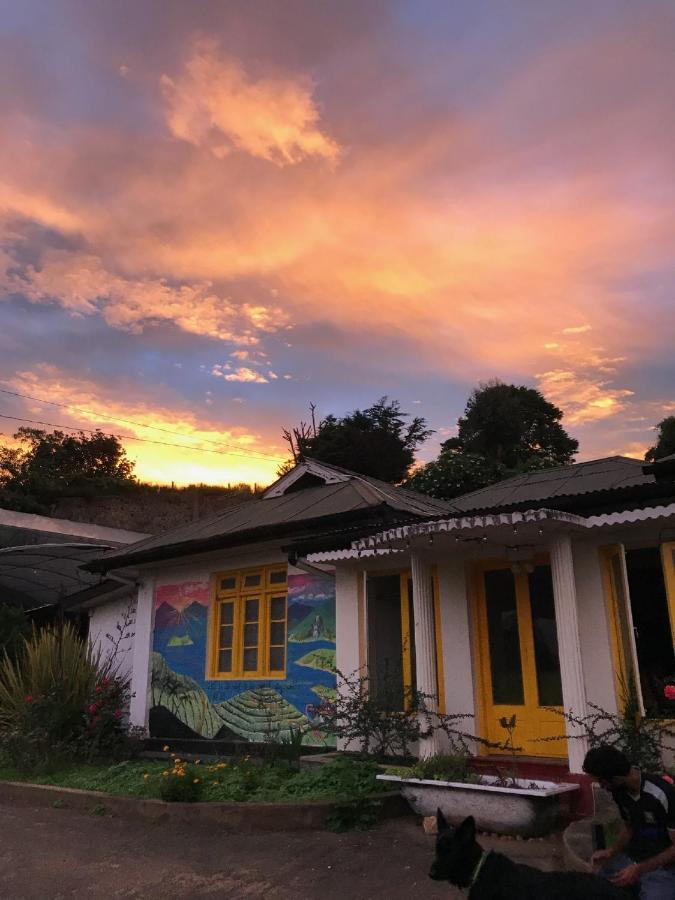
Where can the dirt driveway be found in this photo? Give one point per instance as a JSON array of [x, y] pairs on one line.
[[53, 854]]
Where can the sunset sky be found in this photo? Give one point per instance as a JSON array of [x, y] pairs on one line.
[[213, 213]]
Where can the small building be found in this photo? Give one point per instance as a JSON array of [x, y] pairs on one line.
[[539, 595], [234, 634]]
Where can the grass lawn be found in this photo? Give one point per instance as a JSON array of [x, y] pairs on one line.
[[224, 782]]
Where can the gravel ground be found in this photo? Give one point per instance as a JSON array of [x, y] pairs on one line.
[[53, 854]]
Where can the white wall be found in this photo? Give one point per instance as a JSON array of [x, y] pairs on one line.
[[456, 636], [596, 654], [141, 656], [112, 629]]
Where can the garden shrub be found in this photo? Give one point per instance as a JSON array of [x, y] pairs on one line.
[[182, 783], [59, 699]]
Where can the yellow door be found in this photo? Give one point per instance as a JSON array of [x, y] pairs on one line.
[[622, 631], [520, 667]]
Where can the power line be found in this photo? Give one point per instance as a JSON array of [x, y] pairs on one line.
[[90, 412], [128, 437]]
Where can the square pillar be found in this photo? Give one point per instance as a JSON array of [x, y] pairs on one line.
[[139, 707]]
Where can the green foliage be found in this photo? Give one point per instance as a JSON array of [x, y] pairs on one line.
[[453, 474], [356, 815], [181, 784], [14, 629], [513, 426], [665, 440], [375, 441], [59, 699], [382, 723], [49, 465], [444, 767], [644, 741]]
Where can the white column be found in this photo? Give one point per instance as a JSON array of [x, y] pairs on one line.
[[569, 644], [425, 640], [142, 655]]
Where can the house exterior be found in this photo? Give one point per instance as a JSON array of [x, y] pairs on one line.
[[234, 633], [546, 592], [542, 594]]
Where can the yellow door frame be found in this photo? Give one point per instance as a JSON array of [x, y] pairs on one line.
[[485, 707]]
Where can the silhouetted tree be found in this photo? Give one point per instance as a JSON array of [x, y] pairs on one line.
[[376, 441], [665, 440]]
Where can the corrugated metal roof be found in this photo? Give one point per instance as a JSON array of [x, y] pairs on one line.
[[545, 485], [316, 503]]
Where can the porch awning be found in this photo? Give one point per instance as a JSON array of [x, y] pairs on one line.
[[495, 527], [38, 575]]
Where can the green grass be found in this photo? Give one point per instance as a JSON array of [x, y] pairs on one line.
[[241, 781]]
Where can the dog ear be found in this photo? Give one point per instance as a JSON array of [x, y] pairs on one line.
[[441, 823], [466, 833]]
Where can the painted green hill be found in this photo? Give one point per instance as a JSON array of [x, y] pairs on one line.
[[323, 658]]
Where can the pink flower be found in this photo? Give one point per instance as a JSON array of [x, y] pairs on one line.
[[93, 709], [118, 713], [667, 778], [669, 692], [28, 699]]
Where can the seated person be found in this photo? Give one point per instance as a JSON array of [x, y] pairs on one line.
[[643, 855]]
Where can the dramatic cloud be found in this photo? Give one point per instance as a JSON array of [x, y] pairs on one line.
[[272, 118], [425, 205]]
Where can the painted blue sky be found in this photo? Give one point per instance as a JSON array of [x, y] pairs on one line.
[[213, 214]]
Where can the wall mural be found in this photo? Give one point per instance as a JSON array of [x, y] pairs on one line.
[[186, 704]]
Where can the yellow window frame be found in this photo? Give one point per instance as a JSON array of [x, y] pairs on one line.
[[264, 584]]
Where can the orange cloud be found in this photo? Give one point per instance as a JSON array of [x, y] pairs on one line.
[[184, 439], [81, 284], [214, 103]]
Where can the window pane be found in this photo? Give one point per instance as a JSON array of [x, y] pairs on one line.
[[503, 637], [252, 610], [225, 661], [278, 608], [226, 613], [226, 636], [251, 635], [277, 633], [278, 577], [277, 659], [252, 580], [228, 583], [545, 637], [250, 660]]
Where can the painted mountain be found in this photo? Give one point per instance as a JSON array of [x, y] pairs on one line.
[[317, 625], [297, 612], [260, 714], [182, 627]]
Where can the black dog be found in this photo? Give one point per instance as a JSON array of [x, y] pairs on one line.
[[491, 876]]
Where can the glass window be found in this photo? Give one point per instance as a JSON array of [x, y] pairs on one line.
[[545, 636], [651, 623], [250, 631], [504, 638]]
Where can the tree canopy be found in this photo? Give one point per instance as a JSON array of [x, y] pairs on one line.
[[506, 429], [377, 441], [514, 426], [47, 465], [665, 440]]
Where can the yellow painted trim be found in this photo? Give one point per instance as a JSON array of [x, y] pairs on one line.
[[440, 668], [486, 710], [263, 592], [619, 663], [406, 651], [668, 564], [476, 601], [363, 634]]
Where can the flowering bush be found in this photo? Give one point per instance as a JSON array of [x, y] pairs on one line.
[[669, 692], [181, 783], [60, 700]]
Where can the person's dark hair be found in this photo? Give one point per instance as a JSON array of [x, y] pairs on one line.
[[605, 762]]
